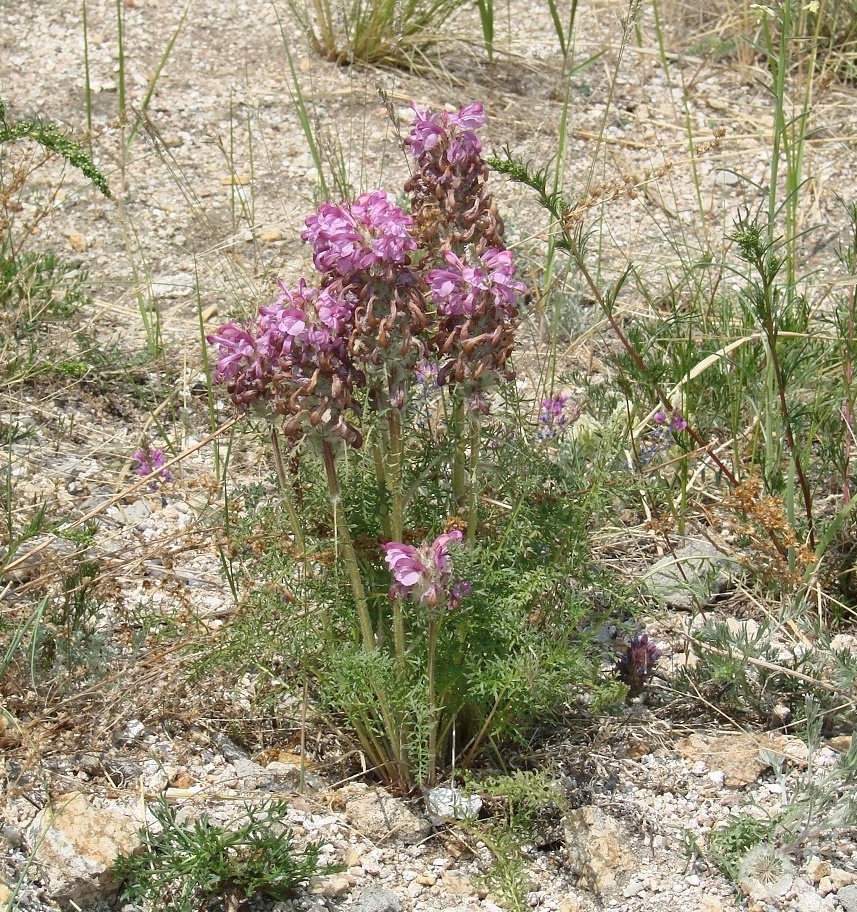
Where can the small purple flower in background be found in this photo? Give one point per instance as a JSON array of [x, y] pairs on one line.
[[353, 237], [152, 462], [555, 419], [674, 422], [637, 663], [660, 439], [423, 574], [426, 375]]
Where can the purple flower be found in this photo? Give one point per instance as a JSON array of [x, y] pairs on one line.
[[443, 134], [235, 349], [424, 574], [552, 419], [636, 665], [678, 423], [675, 420], [426, 374], [462, 288], [353, 237], [152, 462]]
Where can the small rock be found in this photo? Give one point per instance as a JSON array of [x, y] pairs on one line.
[[632, 888], [847, 896], [330, 886], [726, 178], [839, 743], [77, 242], [457, 883], [598, 851], [813, 902], [11, 836], [182, 780], [444, 804], [133, 731], [380, 816], [840, 878], [377, 899], [75, 844], [816, 868], [740, 757], [688, 577], [179, 285]]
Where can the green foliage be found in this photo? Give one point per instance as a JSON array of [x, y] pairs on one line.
[[382, 32], [743, 671], [728, 845], [50, 137], [816, 802], [183, 868]]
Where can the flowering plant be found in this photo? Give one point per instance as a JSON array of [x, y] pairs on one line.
[[389, 367]]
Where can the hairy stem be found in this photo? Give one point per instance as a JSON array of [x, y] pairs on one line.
[[343, 536], [286, 490]]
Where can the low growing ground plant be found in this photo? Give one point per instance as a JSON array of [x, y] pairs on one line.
[[433, 538], [185, 867]]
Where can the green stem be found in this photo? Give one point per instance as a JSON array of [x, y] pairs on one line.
[[395, 479], [395, 455], [473, 509], [286, 490], [380, 476], [459, 478], [432, 702], [348, 553]]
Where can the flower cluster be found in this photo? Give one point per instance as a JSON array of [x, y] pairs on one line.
[[445, 136], [449, 199], [477, 312], [152, 462], [425, 575], [555, 418], [293, 360], [674, 421], [371, 321], [349, 239], [660, 439], [637, 663]]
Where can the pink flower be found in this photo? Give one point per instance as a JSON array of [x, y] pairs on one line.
[[235, 348], [446, 135], [404, 563], [424, 574], [353, 237], [440, 551], [462, 288], [152, 462]]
